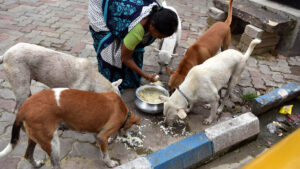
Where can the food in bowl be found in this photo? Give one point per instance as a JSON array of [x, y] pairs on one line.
[[151, 95], [157, 83]]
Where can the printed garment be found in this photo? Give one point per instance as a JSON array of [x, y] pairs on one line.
[[119, 17]]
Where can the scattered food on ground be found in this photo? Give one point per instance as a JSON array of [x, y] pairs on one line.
[[132, 139]]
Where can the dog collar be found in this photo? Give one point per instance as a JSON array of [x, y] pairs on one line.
[[185, 97], [127, 117]]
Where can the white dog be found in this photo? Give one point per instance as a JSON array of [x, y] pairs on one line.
[[204, 81], [24, 62], [169, 44]]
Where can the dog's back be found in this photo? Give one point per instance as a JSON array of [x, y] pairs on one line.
[[55, 69], [81, 110], [216, 70]]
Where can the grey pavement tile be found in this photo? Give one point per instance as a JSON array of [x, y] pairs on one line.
[[3, 128], [7, 105], [65, 147], [24, 164], [7, 117], [81, 137], [278, 77], [293, 61], [9, 162], [85, 150], [282, 69], [50, 34], [80, 163], [265, 69], [258, 83], [7, 135], [6, 94], [245, 82], [292, 77], [248, 90]]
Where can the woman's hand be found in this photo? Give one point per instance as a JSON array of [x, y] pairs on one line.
[[151, 77]]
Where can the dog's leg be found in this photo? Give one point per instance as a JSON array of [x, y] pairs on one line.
[[232, 82], [226, 97], [103, 141], [55, 147], [213, 110], [21, 96], [113, 137], [47, 137], [226, 41], [29, 155], [160, 68], [20, 85]]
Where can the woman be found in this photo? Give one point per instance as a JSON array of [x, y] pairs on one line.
[[121, 29]]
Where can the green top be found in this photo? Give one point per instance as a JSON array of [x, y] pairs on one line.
[[134, 36]]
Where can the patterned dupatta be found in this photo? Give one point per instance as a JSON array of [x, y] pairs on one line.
[[120, 17]]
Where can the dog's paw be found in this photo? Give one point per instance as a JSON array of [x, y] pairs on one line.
[[207, 121], [219, 111], [207, 106], [39, 163], [111, 163]]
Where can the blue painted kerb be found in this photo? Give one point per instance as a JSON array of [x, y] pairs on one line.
[[275, 97], [182, 154]]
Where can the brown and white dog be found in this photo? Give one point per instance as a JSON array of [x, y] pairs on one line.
[[40, 115], [24, 62], [205, 47]]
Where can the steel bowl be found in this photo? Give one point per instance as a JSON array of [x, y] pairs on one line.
[[148, 107]]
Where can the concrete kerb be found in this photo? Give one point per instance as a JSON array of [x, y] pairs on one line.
[[200, 146], [274, 98]]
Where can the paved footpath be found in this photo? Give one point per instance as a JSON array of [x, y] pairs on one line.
[[63, 25]]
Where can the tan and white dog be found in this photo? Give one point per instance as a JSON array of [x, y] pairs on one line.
[[206, 46], [25, 62], [40, 115], [204, 81]]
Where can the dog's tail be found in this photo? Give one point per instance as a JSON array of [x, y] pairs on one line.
[[1, 59], [15, 135], [229, 17], [252, 45]]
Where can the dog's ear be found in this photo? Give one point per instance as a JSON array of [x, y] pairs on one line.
[[169, 70], [181, 114], [136, 119], [117, 83], [163, 98]]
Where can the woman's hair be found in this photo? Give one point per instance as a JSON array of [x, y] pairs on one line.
[[164, 20]]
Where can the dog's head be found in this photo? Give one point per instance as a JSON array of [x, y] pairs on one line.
[[115, 86], [175, 80], [171, 111], [164, 56], [134, 119]]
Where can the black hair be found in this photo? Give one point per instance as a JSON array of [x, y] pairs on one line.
[[164, 20]]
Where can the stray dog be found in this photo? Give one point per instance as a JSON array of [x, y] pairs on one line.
[[24, 62], [40, 115], [204, 81], [205, 47], [165, 54]]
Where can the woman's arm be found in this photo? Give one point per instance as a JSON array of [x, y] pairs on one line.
[[126, 59]]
